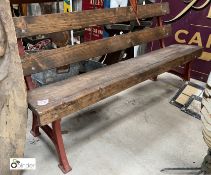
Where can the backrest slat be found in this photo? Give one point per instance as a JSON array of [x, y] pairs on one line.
[[44, 24], [37, 62]]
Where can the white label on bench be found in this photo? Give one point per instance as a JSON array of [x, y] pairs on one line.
[[42, 102]]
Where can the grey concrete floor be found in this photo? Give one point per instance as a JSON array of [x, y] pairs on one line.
[[136, 132]]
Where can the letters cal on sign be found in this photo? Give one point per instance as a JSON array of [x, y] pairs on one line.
[[191, 23]]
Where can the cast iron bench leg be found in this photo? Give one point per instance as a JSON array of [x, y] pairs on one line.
[[187, 71], [35, 126], [59, 144], [55, 135]]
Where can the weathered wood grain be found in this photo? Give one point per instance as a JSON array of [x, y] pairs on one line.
[[33, 63], [34, 25], [71, 95], [13, 105]]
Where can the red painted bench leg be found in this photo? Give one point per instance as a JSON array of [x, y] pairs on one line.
[[35, 126], [57, 134], [187, 71]]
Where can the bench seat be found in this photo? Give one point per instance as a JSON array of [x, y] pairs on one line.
[[54, 101]]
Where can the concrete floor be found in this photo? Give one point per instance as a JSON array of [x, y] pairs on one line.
[[136, 132]]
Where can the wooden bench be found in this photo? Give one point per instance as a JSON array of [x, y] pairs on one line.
[[51, 103]]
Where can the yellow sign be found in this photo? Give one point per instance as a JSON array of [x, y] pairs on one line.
[[191, 5], [182, 36], [67, 6], [209, 14]]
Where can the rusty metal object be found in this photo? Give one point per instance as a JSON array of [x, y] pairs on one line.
[[134, 5], [61, 39]]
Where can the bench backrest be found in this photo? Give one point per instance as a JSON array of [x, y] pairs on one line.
[[34, 25]]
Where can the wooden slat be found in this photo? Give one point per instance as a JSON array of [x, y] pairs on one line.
[[34, 25], [73, 94], [33, 63], [30, 1]]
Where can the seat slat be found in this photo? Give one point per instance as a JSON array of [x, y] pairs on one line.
[[76, 93], [34, 25], [37, 62]]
